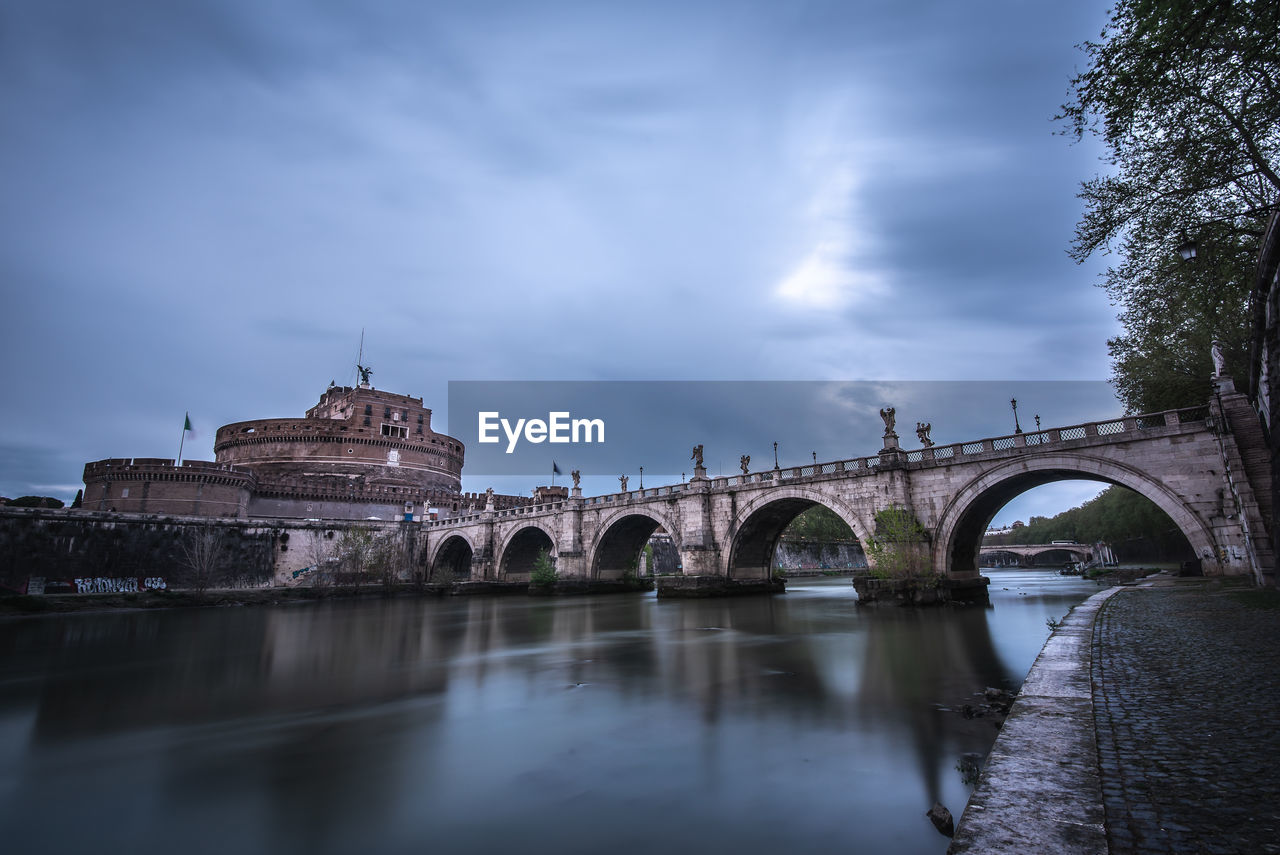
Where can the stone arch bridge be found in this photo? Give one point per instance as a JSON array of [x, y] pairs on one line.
[[1026, 554], [1186, 461]]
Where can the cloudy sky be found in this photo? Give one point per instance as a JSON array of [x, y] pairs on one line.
[[206, 201]]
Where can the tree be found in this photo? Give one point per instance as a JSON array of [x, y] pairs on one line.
[[364, 554], [35, 502], [204, 551], [1118, 516], [544, 571], [898, 549], [819, 523], [322, 555], [1186, 96]]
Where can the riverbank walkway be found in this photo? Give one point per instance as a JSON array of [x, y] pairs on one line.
[[1150, 723]]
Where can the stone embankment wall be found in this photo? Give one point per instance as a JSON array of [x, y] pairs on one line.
[[806, 555], [109, 552]]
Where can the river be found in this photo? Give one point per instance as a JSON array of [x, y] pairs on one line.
[[618, 724]]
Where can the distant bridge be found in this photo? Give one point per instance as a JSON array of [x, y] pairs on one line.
[[1026, 554], [1186, 461]]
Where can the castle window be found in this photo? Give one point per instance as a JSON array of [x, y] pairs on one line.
[[366, 421], [368, 409], [386, 412], [419, 418], [395, 430]]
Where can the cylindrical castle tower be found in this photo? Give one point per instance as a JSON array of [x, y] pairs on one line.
[[356, 442]]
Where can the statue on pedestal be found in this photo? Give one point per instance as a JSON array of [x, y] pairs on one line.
[[888, 415], [744, 462]]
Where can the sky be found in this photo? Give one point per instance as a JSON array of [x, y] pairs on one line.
[[208, 202]]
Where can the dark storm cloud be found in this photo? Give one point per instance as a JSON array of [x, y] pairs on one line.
[[207, 201]]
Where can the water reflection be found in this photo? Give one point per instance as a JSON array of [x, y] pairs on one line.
[[486, 723]]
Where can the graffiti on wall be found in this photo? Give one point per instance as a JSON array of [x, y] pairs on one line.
[[129, 585]]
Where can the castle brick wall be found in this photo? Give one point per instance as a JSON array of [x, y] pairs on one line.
[[156, 485]]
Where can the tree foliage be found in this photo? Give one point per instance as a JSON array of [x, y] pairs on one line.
[[898, 549], [1186, 96], [544, 573], [35, 502], [819, 524], [1117, 516]]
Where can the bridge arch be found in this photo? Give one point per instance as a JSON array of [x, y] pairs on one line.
[[621, 536], [754, 532], [520, 548], [450, 560], [964, 520], [1059, 555], [999, 557]]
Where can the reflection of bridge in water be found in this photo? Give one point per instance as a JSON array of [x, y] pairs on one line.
[[1188, 462]]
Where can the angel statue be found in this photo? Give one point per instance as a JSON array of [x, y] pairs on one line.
[[888, 416], [744, 461], [697, 456], [576, 476], [365, 373], [622, 479], [922, 431]]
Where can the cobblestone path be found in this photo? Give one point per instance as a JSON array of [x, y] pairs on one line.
[[1186, 686]]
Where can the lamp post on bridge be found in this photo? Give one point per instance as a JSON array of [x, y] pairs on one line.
[[775, 455], [641, 477], [1017, 428]]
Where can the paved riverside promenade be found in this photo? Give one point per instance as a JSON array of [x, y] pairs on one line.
[[1150, 723]]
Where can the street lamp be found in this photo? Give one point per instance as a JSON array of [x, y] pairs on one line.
[[1017, 428], [775, 455], [1188, 249], [641, 477]]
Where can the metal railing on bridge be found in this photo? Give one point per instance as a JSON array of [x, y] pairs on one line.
[[935, 455]]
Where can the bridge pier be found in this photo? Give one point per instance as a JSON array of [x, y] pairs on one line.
[[687, 587]]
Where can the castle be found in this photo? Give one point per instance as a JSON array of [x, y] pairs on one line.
[[360, 453]]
